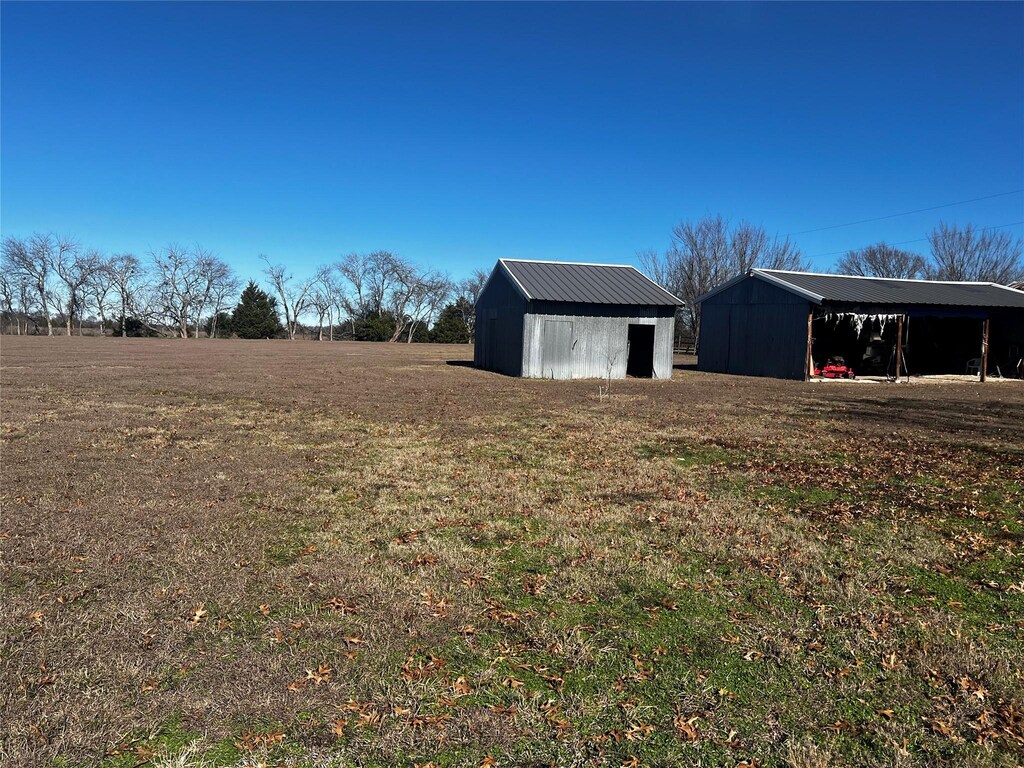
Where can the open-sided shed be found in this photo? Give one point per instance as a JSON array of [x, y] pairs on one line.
[[784, 324], [569, 320]]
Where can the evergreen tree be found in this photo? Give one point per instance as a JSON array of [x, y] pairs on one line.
[[420, 335], [223, 327], [375, 327], [132, 327], [451, 327], [256, 317]]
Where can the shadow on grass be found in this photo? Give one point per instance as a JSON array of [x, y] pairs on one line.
[[948, 416]]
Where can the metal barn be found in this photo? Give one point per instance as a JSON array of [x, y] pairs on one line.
[[562, 320], [789, 324]]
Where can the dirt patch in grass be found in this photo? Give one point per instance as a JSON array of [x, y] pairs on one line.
[[217, 553]]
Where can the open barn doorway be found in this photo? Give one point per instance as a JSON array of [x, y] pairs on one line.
[[865, 345], [640, 359], [873, 345], [944, 345]]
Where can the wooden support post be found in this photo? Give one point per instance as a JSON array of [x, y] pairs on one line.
[[809, 368], [899, 347], [984, 351]]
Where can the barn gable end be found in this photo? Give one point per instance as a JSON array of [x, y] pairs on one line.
[[754, 328], [500, 310]]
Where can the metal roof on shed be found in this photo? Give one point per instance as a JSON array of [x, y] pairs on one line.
[[876, 290], [586, 283]]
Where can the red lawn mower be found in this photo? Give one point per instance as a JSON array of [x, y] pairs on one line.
[[835, 368]]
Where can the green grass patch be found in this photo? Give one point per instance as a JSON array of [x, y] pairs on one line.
[[689, 453]]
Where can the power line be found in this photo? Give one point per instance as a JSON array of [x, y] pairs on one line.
[[906, 242], [905, 213]]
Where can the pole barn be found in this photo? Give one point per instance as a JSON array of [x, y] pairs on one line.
[[792, 325], [569, 320]]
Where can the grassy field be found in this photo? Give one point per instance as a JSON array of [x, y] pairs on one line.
[[220, 553]]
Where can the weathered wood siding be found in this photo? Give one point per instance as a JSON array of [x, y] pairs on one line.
[[498, 343], [599, 336], [754, 328]]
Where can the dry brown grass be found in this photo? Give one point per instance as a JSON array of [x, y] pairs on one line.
[[353, 554]]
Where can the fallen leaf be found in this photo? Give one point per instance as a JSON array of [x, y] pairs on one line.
[[686, 729]]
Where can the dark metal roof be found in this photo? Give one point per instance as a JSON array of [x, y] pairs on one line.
[[586, 283], [876, 290], [879, 291]]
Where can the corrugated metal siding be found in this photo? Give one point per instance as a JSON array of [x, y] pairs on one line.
[[872, 290], [587, 283], [556, 347], [499, 326], [599, 339], [754, 328]]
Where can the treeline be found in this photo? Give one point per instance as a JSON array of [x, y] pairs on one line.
[[704, 253], [970, 253], [49, 283]]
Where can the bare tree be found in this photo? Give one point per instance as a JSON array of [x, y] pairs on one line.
[[75, 270], [224, 288], [605, 390], [33, 260], [101, 289], [707, 252], [384, 271], [472, 285], [16, 294], [469, 289], [328, 297], [353, 271], [750, 246], [398, 284], [341, 301], [8, 281], [216, 282], [430, 291], [410, 295], [126, 275], [27, 304], [294, 296], [383, 284], [882, 260], [335, 289], [697, 260], [25, 301], [974, 254], [320, 303], [180, 284], [656, 266], [380, 282]]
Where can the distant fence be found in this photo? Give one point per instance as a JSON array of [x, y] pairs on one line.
[[686, 348]]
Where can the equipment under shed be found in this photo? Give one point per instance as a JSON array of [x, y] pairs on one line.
[[796, 325]]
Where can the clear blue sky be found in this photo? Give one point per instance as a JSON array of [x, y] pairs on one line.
[[455, 134]]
